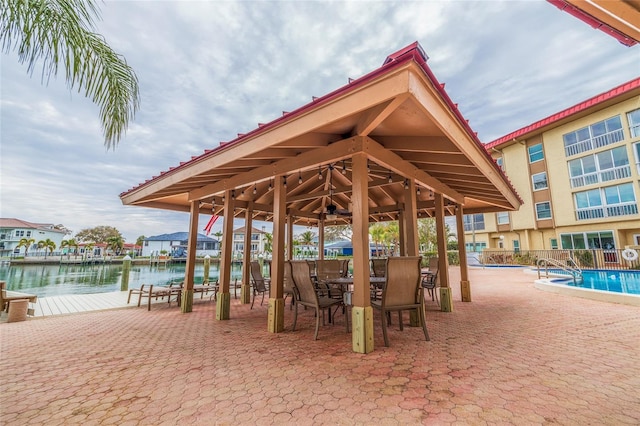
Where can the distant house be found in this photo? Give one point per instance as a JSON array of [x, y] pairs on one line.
[[176, 245], [258, 241], [13, 230], [344, 248]]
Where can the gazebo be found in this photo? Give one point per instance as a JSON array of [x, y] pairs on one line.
[[390, 145]]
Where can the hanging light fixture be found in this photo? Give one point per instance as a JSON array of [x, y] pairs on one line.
[[319, 173], [254, 189], [344, 168], [418, 191], [285, 182], [406, 184], [299, 177], [331, 208], [390, 177]]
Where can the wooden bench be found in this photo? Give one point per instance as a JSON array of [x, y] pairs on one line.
[[7, 296]]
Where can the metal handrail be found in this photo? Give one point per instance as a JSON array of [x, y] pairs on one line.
[[571, 267]]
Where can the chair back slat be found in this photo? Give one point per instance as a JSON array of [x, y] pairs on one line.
[[403, 280], [302, 280]]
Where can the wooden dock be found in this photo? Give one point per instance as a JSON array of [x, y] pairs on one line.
[[72, 304]]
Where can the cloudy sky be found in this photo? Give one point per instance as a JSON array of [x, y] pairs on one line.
[[209, 70]]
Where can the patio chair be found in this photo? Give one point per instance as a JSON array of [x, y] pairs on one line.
[[344, 268], [260, 284], [378, 267], [307, 296], [430, 279], [287, 285], [325, 271], [402, 291]]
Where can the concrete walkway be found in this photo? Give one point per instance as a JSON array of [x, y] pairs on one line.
[[515, 355]]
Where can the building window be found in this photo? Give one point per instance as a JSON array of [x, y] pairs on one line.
[[588, 240], [539, 181], [29, 233], [473, 222], [543, 210], [535, 153], [502, 218], [597, 135], [255, 237], [554, 243], [19, 233], [238, 237], [636, 153], [634, 123], [478, 246], [601, 167], [611, 201]]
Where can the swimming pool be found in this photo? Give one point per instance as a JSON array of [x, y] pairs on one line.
[[627, 282], [604, 285]]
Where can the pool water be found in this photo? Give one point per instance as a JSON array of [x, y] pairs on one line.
[[59, 280], [627, 282]]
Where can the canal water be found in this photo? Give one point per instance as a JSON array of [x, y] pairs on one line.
[[65, 279]]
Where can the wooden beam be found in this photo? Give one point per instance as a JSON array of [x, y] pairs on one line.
[[404, 168], [377, 115], [331, 153]]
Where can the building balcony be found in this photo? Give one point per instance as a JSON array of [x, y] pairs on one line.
[[594, 143], [615, 173]]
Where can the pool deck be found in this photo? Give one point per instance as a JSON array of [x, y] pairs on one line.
[[515, 355]]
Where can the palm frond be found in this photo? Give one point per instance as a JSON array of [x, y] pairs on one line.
[[54, 32]]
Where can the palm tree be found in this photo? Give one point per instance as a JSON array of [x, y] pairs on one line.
[[70, 243], [268, 242], [47, 245], [115, 243], [377, 232], [26, 243], [54, 31], [88, 248]]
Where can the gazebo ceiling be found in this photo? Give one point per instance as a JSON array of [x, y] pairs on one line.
[[399, 115]]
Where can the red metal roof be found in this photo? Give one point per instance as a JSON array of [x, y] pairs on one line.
[[589, 103], [411, 52], [593, 22]]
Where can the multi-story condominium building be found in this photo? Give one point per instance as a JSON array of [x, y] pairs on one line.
[[175, 245], [578, 172], [13, 230]]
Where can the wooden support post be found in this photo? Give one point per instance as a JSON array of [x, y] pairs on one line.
[[321, 239], [410, 220], [446, 301], [224, 296], [362, 313], [276, 293], [465, 284], [245, 293], [186, 304]]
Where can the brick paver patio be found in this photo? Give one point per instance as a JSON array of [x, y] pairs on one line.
[[515, 355]]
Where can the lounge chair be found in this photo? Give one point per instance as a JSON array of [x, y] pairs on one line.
[[307, 296], [150, 292], [402, 291]]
